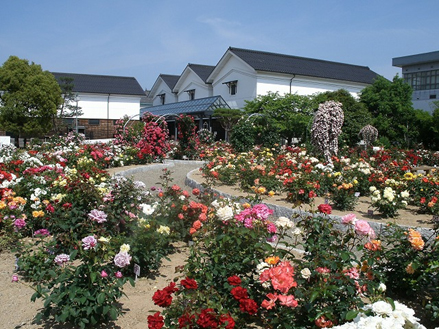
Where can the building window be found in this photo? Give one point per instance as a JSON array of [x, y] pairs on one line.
[[191, 94], [94, 122], [426, 80], [162, 99], [68, 121], [233, 86], [432, 96]]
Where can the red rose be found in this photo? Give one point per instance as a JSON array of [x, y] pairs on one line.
[[249, 306], [155, 321], [239, 293], [325, 208], [228, 320], [189, 283], [234, 280], [162, 298], [171, 288], [185, 321], [207, 319]]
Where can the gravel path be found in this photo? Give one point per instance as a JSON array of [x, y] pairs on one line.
[[150, 174]]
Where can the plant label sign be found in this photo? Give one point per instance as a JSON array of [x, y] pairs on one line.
[[136, 270]]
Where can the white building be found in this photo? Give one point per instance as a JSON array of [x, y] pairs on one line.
[[421, 72], [243, 74], [103, 100]]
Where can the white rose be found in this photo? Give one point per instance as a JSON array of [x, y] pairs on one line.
[[225, 213], [382, 308], [125, 248], [306, 273], [284, 222]]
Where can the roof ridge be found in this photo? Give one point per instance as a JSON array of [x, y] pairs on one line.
[[294, 56], [95, 75]]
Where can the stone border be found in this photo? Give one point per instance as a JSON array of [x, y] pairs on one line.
[[279, 211]]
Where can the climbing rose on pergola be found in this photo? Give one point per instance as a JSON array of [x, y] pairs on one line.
[[326, 128]]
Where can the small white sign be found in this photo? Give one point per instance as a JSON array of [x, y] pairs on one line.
[[136, 270], [357, 194]]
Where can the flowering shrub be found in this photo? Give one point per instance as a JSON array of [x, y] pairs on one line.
[[389, 200], [383, 314], [343, 192], [82, 293]]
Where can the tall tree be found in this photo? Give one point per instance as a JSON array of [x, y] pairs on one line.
[[227, 118], [29, 98], [390, 103], [290, 114], [69, 107]]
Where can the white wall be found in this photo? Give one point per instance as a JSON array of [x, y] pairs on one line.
[[108, 107], [163, 88], [303, 85], [191, 80], [234, 69]]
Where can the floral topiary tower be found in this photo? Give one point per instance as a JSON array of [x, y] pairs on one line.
[[369, 134], [326, 128]]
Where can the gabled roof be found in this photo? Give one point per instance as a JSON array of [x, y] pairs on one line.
[[203, 71], [102, 84], [170, 80], [204, 106], [294, 65]]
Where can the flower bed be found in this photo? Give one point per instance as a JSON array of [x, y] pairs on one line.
[[90, 233]]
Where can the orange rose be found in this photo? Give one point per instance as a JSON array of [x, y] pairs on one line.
[[373, 245], [273, 260], [416, 240]]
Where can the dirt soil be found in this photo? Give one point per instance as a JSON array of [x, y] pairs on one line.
[[17, 311]]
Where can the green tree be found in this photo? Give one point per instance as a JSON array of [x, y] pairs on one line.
[[390, 103], [227, 118], [290, 114], [356, 115], [68, 108], [29, 98]]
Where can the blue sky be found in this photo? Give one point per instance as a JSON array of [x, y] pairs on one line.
[[143, 39]]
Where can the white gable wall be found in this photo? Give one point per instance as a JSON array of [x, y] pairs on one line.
[[235, 69], [190, 80], [163, 88], [112, 107]]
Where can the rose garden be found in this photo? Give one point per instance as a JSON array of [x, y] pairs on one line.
[[79, 234]]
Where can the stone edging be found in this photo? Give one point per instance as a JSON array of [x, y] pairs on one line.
[[278, 211]]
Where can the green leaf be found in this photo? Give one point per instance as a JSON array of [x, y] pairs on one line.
[[314, 295], [93, 277], [351, 315], [101, 298], [113, 314]]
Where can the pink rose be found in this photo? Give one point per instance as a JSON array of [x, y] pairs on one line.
[[363, 228], [349, 219], [288, 300]]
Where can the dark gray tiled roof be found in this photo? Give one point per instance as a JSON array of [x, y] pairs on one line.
[[203, 71], [287, 64], [170, 80], [102, 84]]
